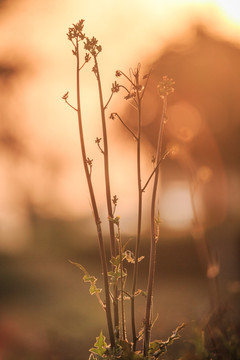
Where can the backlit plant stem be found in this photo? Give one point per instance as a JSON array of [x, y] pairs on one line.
[[139, 221], [107, 187], [154, 234], [94, 206]]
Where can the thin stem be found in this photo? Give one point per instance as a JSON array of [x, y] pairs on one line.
[[128, 78], [145, 87], [110, 98], [71, 105], [85, 62], [100, 301], [139, 220], [154, 236], [97, 141], [126, 126], [107, 186], [95, 209], [155, 169], [125, 88]]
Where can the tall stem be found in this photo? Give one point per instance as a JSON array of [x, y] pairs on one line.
[[95, 209], [107, 188], [154, 235], [139, 221]]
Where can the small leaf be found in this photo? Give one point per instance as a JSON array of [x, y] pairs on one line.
[[89, 278], [115, 260], [158, 347], [100, 345], [115, 200], [79, 266], [111, 273], [154, 346], [92, 289], [141, 333], [115, 274], [115, 220], [140, 291], [129, 256], [65, 96]]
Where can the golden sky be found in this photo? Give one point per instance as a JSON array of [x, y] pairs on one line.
[[130, 32]]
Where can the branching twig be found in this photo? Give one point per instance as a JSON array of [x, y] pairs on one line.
[[155, 169], [110, 98], [125, 125], [145, 87], [70, 105]]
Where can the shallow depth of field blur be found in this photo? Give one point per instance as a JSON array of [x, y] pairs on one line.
[[46, 310]]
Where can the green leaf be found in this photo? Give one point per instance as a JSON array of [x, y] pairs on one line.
[[79, 266], [115, 220], [97, 352], [89, 278], [129, 256], [154, 346], [140, 291], [100, 345], [115, 275], [93, 289], [115, 260], [158, 347]]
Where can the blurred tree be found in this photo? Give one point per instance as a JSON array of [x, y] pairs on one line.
[[203, 114]]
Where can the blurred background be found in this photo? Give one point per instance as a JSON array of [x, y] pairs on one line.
[[45, 218]]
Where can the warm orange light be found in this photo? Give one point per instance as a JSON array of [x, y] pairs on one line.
[[184, 121], [130, 32], [176, 206], [230, 9]]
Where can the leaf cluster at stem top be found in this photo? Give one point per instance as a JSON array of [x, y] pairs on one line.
[[75, 32], [91, 45]]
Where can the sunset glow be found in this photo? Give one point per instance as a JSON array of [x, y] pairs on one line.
[[129, 32], [176, 206]]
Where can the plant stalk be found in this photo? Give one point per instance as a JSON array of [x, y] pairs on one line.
[[154, 235], [139, 221], [108, 190], [95, 209]]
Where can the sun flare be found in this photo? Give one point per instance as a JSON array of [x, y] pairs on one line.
[[176, 206]]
